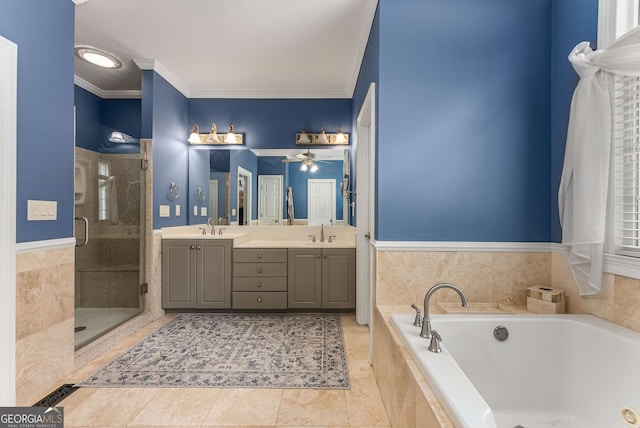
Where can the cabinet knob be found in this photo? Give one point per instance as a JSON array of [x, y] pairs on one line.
[[324, 255], [198, 247], [259, 255], [259, 270], [317, 256], [193, 247], [259, 300], [259, 284]]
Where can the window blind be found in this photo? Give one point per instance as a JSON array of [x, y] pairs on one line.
[[626, 180]]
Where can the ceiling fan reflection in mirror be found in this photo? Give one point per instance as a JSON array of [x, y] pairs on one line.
[[308, 160]]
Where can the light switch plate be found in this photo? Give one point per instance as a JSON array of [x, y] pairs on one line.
[[177, 210], [195, 210], [233, 211], [203, 211], [42, 210], [165, 211]]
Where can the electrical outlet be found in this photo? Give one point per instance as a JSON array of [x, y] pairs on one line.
[[195, 210], [177, 210]]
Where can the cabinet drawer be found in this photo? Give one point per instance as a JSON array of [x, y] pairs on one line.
[[248, 283], [259, 300], [265, 255], [259, 269]]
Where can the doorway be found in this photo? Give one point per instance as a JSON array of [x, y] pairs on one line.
[[365, 214], [245, 178], [270, 198], [321, 201]]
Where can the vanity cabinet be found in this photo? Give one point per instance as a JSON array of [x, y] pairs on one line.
[[322, 278], [196, 274], [260, 278]]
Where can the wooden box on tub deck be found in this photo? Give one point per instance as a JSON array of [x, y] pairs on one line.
[[545, 300]]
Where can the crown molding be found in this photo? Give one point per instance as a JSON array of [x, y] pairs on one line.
[[365, 31], [124, 94], [155, 65], [270, 94]]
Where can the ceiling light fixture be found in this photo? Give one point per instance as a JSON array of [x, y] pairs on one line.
[[194, 138], [97, 57], [231, 137]]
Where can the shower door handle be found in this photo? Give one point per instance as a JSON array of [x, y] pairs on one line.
[[86, 231]]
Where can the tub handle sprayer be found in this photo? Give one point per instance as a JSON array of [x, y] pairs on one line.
[[418, 320], [434, 346]]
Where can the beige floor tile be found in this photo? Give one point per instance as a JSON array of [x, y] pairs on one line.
[[356, 341], [359, 366], [186, 407], [110, 407], [244, 407], [75, 399], [364, 404], [307, 407]]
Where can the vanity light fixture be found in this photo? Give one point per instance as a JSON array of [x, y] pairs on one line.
[[213, 135], [303, 137], [213, 138], [121, 137], [194, 138], [322, 136], [231, 137], [340, 138], [97, 57]]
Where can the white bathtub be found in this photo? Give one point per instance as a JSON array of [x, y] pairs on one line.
[[553, 371]]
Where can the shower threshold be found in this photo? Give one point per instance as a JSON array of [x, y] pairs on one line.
[[99, 321]]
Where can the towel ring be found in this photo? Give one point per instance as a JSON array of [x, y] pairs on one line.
[[174, 191]]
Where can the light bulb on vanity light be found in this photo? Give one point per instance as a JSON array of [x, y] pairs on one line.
[[194, 138], [322, 136], [340, 138], [230, 138]]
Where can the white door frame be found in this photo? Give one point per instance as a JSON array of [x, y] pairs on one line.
[[262, 202], [365, 214], [248, 195], [8, 136], [333, 199]]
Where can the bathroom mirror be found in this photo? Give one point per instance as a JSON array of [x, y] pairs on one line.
[[229, 170]]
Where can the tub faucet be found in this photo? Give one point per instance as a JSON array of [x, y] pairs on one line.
[[426, 323]]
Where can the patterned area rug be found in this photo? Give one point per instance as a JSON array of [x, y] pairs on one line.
[[235, 350]]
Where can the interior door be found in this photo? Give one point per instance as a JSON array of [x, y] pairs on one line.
[[270, 197], [321, 201]]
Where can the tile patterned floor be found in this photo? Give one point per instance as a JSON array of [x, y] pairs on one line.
[[359, 407]]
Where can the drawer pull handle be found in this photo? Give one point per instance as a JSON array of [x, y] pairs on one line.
[[259, 284], [259, 255], [259, 270], [259, 300]]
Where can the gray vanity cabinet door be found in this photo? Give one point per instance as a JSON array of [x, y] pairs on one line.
[[305, 278], [338, 278], [178, 273], [213, 274]]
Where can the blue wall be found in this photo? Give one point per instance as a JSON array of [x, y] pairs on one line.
[[43, 31], [298, 180], [270, 123], [573, 21], [469, 91], [96, 118], [170, 149]]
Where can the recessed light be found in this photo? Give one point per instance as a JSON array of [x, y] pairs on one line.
[[97, 57]]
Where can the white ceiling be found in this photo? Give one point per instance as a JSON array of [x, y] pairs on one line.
[[227, 48]]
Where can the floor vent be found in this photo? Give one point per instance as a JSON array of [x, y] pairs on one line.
[[57, 396]]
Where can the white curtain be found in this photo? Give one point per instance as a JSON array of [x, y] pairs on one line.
[[582, 197]]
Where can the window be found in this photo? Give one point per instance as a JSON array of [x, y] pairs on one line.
[[615, 18], [626, 165], [104, 172]]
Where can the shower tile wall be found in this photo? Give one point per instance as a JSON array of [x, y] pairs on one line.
[[107, 272]]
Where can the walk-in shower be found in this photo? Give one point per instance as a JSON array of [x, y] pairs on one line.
[[109, 242]]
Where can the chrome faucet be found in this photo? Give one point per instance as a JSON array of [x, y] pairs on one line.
[[322, 233], [426, 323], [210, 222]]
